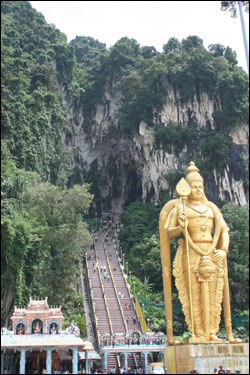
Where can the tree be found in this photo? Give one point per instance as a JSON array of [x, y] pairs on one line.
[[16, 235], [139, 242], [237, 218], [152, 264], [191, 42], [232, 87], [216, 49], [86, 50], [173, 45], [231, 56], [148, 52], [57, 220]]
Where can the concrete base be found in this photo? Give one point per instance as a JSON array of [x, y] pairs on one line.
[[205, 357]]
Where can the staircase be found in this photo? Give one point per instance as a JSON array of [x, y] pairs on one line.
[[121, 286], [111, 317]]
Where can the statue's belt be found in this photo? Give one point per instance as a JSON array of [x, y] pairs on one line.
[[203, 242]]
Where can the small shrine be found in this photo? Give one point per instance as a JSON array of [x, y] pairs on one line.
[[37, 342], [37, 318]]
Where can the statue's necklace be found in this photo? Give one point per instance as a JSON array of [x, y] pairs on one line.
[[202, 218]]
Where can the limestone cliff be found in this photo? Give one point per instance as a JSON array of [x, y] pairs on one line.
[[126, 169]]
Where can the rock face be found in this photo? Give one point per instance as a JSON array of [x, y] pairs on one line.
[[124, 169]]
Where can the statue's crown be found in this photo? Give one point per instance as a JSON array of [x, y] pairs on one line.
[[192, 168], [193, 173]]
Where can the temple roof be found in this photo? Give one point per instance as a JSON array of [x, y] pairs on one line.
[[41, 340], [37, 307], [38, 304]]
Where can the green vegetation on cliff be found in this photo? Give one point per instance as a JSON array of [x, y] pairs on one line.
[[47, 86], [35, 61], [43, 76], [43, 239]]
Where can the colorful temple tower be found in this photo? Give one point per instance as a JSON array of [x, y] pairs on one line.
[[38, 317]]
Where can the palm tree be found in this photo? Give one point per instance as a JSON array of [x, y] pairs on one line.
[[146, 285]]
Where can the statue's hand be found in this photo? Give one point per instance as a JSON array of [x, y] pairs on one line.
[[218, 255], [182, 218]]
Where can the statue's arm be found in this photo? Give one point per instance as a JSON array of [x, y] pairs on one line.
[[224, 242], [172, 225]]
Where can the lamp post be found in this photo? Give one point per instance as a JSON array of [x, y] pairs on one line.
[[148, 323], [127, 267], [120, 252], [117, 244], [143, 308], [134, 288], [233, 13], [123, 259]]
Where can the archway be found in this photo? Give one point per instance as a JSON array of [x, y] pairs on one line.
[[20, 327], [37, 326], [53, 327]]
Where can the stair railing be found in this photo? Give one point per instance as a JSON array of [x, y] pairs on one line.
[[104, 297], [90, 293], [103, 293], [128, 288], [118, 299], [113, 281], [105, 251]]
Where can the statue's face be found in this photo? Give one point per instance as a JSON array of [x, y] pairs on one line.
[[197, 189]]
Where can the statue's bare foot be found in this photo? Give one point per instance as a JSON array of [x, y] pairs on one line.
[[214, 338], [174, 342], [234, 340]]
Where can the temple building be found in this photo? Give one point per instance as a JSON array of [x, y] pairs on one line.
[[38, 342], [37, 318]]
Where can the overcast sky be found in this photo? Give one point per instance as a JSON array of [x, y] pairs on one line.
[[151, 23]]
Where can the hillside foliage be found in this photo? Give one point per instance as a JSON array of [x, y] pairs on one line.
[[42, 74], [47, 85], [43, 239]]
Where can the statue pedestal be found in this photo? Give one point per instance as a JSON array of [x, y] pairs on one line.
[[205, 357]]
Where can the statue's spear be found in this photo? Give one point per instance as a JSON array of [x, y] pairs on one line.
[[183, 190]]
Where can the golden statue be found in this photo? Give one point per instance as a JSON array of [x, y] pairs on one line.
[[200, 264]]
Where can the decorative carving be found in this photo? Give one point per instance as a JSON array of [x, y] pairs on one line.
[[37, 310]]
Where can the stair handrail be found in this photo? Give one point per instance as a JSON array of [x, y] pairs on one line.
[[140, 315], [105, 251], [103, 292], [104, 297], [91, 292], [128, 288], [119, 302], [113, 281], [92, 301]]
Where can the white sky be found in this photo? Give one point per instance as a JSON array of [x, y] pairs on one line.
[[151, 23]]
